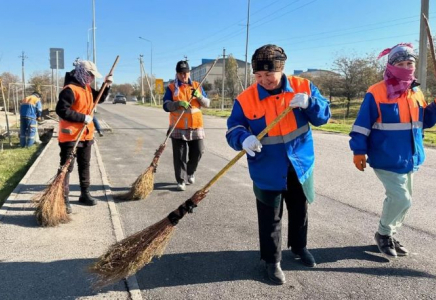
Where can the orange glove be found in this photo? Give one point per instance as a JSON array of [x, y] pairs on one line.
[[360, 161]]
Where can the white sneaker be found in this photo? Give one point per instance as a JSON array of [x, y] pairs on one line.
[[181, 186], [191, 179]]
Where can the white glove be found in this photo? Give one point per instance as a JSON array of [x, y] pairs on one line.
[[88, 119], [109, 79], [251, 144], [300, 100]]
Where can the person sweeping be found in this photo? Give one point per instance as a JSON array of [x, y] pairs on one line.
[[185, 96], [74, 108], [281, 164]]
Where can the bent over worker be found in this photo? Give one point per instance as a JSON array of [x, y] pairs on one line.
[[187, 137], [280, 164], [389, 129], [30, 112], [76, 101]]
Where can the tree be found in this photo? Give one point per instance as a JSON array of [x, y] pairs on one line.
[[357, 74], [232, 80], [8, 78], [207, 86]]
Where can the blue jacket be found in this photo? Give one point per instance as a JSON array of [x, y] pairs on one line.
[[289, 142], [31, 107], [391, 132]]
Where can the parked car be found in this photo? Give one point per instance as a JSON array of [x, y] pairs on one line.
[[134, 99], [120, 99]]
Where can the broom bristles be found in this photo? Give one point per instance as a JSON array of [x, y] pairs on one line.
[[141, 188], [126, 257], [50, 205]]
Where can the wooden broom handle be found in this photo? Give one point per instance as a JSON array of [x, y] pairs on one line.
[[430, 41]]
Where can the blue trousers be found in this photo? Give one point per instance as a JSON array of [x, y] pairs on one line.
[[28, 129]]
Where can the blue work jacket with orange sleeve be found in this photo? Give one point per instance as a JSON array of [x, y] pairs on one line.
[[289, 142], [390, 131], [31, 107]]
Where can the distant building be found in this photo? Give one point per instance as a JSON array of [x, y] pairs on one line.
[[198, 72], [297, 72]]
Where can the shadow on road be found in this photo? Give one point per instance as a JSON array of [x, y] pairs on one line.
[[63, 279], [209, 267]]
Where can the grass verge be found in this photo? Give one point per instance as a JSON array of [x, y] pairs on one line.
[[15, 161]]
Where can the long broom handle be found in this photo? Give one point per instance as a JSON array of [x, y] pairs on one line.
[[92, 112], [430, 41], [241, 153], [178, 119]]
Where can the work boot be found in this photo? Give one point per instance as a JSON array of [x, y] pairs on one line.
[[67, 204], [86, 198], [181, 186], [305, 256], [275, 273], [191, 179], [401, 250], [385, 244]]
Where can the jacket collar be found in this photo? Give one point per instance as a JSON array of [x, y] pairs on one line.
[[286, 88]]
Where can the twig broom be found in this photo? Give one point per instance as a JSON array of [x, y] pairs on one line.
[[143, 185], [50, 205], [126, 257]]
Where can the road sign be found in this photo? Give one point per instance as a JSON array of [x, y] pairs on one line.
[[60, 58], [159, 86]]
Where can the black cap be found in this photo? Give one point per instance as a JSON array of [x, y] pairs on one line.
[[182, 66], [268, 58], [36, 93]]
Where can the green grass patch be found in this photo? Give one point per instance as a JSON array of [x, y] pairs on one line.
[[15, 161]]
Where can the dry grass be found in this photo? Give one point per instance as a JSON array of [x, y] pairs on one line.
[[50, 205], [141, 188], [128, 256]]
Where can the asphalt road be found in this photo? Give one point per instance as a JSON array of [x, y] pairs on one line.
[[214, 252]]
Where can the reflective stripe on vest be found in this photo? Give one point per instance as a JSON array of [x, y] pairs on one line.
[[192, 117], [83, 103], [273, 140]]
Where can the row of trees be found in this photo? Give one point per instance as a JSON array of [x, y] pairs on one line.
[[349, 78]]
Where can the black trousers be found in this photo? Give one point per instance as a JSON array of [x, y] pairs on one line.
[[186, 156], [83, 155], [270, 222]]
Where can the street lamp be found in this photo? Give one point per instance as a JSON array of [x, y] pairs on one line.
[[87, 45], [151, 55]]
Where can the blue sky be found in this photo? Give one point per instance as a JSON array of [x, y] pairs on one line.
[[312, 32]]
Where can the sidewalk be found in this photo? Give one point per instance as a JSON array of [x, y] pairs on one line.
[[50, 263]]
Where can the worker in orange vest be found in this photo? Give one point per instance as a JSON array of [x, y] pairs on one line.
[[281, 164], [74, 108], [187, 137]]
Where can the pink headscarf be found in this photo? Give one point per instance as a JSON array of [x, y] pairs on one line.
[[397, 79]]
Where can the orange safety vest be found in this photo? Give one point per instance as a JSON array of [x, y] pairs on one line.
[[409, 104], [274, 105], [83, 103], [192, 117]]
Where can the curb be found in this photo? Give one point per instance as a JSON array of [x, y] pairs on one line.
[[23, 181], [131, 282]]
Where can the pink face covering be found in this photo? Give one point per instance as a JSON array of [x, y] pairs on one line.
[[398, 80]]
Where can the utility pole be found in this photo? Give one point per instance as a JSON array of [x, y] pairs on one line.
[[94, 52], [224, 77], [246, 46], [422, 64], [142, 78], [23, 57]]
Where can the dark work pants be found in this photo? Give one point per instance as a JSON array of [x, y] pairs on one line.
[[270, 222], [186, 156], [83, 154], [28, 130]]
